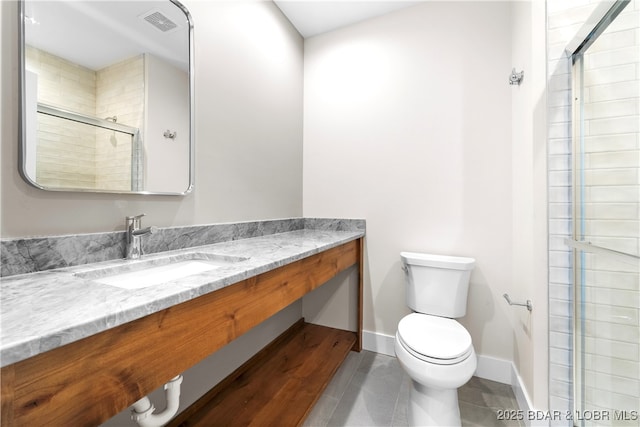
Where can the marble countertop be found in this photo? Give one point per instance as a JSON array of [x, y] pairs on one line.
[[48, 309]]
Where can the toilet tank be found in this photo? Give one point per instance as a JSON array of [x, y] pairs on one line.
[[437, 284]]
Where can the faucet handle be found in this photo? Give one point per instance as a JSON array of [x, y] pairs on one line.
[[135, 217], [134, 222]]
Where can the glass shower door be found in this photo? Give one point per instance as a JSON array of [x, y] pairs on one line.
[[606, 223]]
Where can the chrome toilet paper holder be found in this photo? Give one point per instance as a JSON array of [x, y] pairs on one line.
[[527, 304]]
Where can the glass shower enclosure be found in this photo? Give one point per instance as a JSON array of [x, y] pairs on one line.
[[606, 221]]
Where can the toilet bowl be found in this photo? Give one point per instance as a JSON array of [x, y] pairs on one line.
[[438, 356], [431, 346]]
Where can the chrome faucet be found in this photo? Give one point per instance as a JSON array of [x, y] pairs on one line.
[[134, 235]]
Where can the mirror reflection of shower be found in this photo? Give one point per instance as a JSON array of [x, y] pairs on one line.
[[102, 91]]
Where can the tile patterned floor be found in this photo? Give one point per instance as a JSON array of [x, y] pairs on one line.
[[372, 390]]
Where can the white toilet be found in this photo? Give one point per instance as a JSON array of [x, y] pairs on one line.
[[433, 348]]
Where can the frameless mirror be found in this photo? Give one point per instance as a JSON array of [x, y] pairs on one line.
[[107, 96]]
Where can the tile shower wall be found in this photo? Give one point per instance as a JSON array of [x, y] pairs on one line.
[[66, 152], [92, 157], [611, 73], [562, 23], [120, 93]]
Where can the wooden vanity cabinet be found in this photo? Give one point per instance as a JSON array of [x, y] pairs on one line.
[[89, 381]]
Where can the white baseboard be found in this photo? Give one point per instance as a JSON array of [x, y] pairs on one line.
[[494, 369], [490, 368], [378, 343], [533, 417], [504, 371]]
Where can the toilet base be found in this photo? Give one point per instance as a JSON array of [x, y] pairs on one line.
[[433, 407]]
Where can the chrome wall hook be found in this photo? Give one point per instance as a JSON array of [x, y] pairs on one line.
[[516, 78]]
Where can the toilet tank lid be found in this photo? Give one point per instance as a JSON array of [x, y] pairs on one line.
[[439, 261]]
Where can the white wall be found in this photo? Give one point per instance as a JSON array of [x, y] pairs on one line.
[[529, 209], [410, 123], [407, 123], [167, 108]]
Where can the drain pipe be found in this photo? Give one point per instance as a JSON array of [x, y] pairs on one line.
[[142, 410]]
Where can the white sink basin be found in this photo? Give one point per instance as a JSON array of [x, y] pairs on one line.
[[153, 272]]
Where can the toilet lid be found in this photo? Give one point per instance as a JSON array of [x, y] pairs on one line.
[[435, 339]]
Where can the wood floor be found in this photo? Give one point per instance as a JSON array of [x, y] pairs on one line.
[[278, 386]]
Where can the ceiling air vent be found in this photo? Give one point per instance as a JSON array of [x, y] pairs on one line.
[[158, 20]]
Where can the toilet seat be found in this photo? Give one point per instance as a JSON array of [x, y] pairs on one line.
[[437, 340]]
